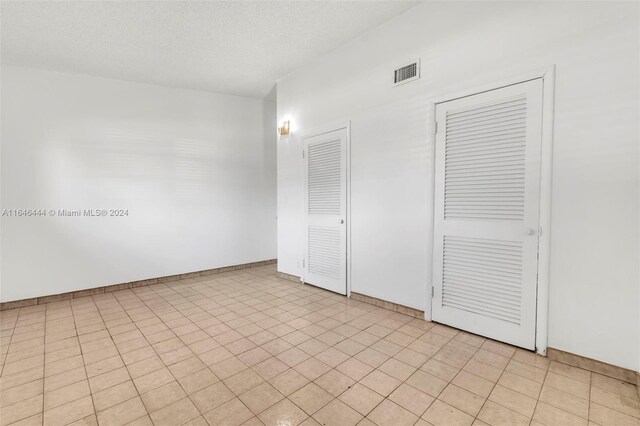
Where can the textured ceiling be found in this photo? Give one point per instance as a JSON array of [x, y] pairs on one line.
[[233, 47]]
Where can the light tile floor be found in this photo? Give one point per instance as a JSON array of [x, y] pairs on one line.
[[246, 347]]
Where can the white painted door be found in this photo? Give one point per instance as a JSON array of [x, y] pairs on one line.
[[325, 263], [487, 200]]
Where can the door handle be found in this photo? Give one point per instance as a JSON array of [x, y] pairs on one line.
[[341, 221], [530, 231]]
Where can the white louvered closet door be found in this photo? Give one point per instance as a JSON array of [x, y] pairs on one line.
[[487, 200], [325, 263]]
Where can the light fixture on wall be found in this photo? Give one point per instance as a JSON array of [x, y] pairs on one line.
[[284, 128]]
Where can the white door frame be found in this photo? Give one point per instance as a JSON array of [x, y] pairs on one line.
[[547, 75], [317, 131]]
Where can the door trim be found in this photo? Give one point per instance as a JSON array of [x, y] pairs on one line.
[[547, 75], [317, 131]]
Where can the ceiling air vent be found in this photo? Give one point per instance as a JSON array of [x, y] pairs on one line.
[[406, 73]]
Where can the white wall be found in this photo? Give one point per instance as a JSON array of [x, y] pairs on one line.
[[195, 170], [594, 282]]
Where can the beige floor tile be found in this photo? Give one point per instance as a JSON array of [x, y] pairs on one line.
[[528, 387], [228, 368], [132, 345], [312, 368], [531, 358], [153, 380], [365, 338], [276, 346], [66, 394], [136, 355], [607, 417], [176, 413], [204, 345], [361, 398], [335, 382], [452, 356], [199, 380], [231, 413], [186, 367], [495, 414], [386, 347], [332, 357], [313, 346], [162, 396], [427, 383], [10, 380], [107, 380], [92, 420], [473, 383], [480, 369], [442, 414], [261, 397], [613, 385], [568, 385], [104, 366], [176, 355], [211, 397], [283, 413], [350, 347], [513, 400], [617, 402], [336, 413], [440, 369], [311, 398], [388, 413], [240, 346], [570, 371], [24, 364], [552, 416], [243, 381], [254, 356], [21, 410], [411, 357], [70, 412], [565, 401], [61, 366], [174, 342], [293, 356], [380, 382], [462, 399], [35, 420], [215, 356], [354, 368], [270, 368], [288, 382], [411, 399], [114, 395], [469, 339], [397, 369], [499, 348], [491, 358], [21, 392]]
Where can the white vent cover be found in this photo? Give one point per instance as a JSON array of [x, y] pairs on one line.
[[406, 73]]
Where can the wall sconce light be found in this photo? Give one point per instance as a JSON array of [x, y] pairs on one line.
[[284, 128]]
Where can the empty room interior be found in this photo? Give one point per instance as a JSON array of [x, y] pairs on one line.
[[312, 213]]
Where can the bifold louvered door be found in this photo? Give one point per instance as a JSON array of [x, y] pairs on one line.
[[325, 263], [487, 199]]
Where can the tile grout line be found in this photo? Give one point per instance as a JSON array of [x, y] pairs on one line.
[[44, 363], [535, 408], [84, 364], [120, 355]]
